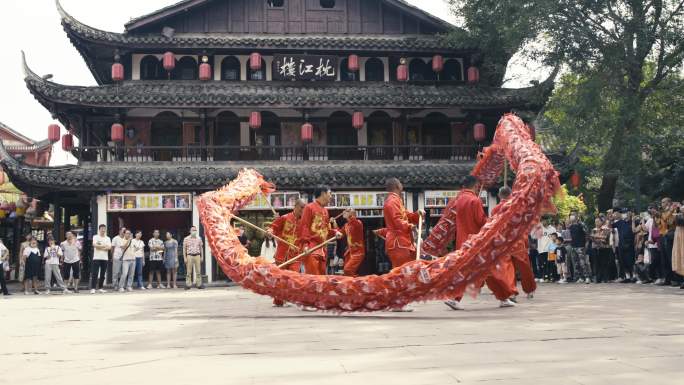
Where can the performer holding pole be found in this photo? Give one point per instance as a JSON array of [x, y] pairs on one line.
[[314, 229], [285, 228], [356, 245], [399, 244]]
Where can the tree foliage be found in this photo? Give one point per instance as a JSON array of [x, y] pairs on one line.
[[622, 52]]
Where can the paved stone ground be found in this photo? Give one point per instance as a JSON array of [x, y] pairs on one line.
[[571, 334]]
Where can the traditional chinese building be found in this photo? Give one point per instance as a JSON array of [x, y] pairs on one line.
[[17, 213], [308, 92]]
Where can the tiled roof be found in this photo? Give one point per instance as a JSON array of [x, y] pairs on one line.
[[418, 43], [176, 93], [99, 177], [184, 5]]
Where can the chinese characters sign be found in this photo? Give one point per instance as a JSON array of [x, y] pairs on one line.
[[149, 202], [305, 67]]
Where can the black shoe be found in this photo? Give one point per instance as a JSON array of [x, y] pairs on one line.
[[681, 287], [187, 288], [11, 293], [201, 287]]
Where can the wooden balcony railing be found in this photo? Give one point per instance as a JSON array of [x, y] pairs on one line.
[[273, 153]]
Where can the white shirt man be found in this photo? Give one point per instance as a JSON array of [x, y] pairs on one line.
[[101, 246]]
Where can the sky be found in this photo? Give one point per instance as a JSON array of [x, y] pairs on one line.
[[34, 27]]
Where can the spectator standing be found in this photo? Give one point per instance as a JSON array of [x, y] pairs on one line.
[[117, 261], [578, 255], [127, 263], [193, 256], [678, 247], [4, 267], [72, 259], [544, 242], [666, 226], [268, 248], [138, 246], [101, 246], [156, 246], [600, 239], [22, 258], [52, 255], [561, 260], [171, 260], [32, 262], [625, 246], [653, 256]]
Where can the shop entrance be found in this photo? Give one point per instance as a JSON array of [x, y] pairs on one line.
[[177, 223]]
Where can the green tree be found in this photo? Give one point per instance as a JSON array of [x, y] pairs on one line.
[[609, 43]]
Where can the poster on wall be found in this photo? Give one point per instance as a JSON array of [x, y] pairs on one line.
[[149, 202], [281, 200], [368, 204], [438, 198]]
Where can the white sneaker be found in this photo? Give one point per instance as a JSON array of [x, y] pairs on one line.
[[149, 286], [121, 290], [92, 291], [587, 280], [66, 291], [47, 291], [530, 295], [142, 287], [161, 286], [308, 308], [639, 282], [454, 305], [129, 289], [563, 281], [102, 291], [26, 292], [507, 303]]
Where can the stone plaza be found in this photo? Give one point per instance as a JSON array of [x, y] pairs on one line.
[[568, 334]]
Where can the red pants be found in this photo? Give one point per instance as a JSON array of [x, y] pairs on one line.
[[399, 257], [352, 263], [315, 264], [521, 262], [501, 281]]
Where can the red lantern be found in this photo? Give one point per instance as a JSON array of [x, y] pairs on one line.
[[402, 73], [117, 132], [117, 72], [358, 120], [255, 120], [307, 132], [353, 63], [169, 61], [255, 61], [480, 132], [437, 63], [205, 71], [67, 142], [533, 131], [575, 180], [473, 75], [53, 133]]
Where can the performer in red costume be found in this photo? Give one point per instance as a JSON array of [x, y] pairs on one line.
[[285, 227], [469, 220], [356, 246], [519, 259], [313, 229], [399, 243]]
